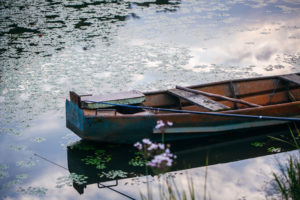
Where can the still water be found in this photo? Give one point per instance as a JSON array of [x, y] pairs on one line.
[[49, 47]]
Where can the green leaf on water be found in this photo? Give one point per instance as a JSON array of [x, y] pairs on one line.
[[100, 158], [34, 191], [3, 174], [69, 179], [27, 163], [17, 147], [274, 150], [13, 182], [38, 139], [258, 144], [22, 176], [3, 167], [138, 160], [114, 174]]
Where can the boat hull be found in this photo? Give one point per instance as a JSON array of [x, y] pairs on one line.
[[130, 129]]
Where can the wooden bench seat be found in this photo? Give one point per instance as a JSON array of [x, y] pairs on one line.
[[198, 100]]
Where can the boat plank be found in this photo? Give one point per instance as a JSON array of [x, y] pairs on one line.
[[198, 99], [294, 78], [130, 97]]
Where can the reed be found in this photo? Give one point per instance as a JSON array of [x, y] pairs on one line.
[[287, 181], [169, 190]]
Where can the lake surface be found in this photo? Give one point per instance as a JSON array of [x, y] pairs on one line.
[[49, 47]]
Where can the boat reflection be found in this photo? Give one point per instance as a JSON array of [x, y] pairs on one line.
[[102, 163]]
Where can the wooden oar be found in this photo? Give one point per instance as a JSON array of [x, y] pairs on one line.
[[218, 96]]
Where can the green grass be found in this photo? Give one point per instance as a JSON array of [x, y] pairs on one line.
[[288, 179], [168, 189]]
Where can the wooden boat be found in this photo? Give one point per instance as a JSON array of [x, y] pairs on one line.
[[110, 119]]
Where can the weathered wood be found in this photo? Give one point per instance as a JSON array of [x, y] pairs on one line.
[[124, 98], [75, 98], [198, 99], [294, 78], [218, 96]]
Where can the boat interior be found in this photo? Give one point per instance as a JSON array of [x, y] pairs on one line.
[[212, 97]]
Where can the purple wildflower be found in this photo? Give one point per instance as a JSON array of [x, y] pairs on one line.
[[159, 160], [147, 141], [138, 146], [153, 146], [161, 146], [170, 123], [159, 124]]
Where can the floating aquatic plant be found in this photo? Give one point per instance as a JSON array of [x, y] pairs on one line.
[[114, 174], [38, 139], [34, 191], [258, 144], [138, 160], [22, 176], [274, 150], [69, 179], [17, 147], [13, 182], [99, 159], [3, 174], [3, 167], [14, 132], [27, 163]]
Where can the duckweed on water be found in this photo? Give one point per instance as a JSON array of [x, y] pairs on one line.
[[38, 139], [258, 144], [22, 176], [34, 191], [274, 150], [17, 147], [27, 163], [138, 161], [12, 183], [69, 179], [99, 159], [3, 166], [3, 174], [14, 132], [114, 174]]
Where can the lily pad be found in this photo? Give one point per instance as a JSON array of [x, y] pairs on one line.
[[69, 179], [17, 147], [34, 191], [114, 174], [27, 163], [38, 139]]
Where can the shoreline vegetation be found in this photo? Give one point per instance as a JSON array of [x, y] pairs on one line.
[[286, 182]]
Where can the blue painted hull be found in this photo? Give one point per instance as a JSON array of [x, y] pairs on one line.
[[130, 129]]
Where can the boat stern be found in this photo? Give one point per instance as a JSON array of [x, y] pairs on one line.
[[74, 118]]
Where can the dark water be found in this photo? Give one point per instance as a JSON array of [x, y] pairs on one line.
[[48, 48]]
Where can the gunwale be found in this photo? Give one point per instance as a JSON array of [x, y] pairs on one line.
[[131, 127]]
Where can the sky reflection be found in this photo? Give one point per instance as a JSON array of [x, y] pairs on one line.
[[48, 48]]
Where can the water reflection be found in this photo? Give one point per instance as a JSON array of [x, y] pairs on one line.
[[43, 28], [103, 163], [50, 47]]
